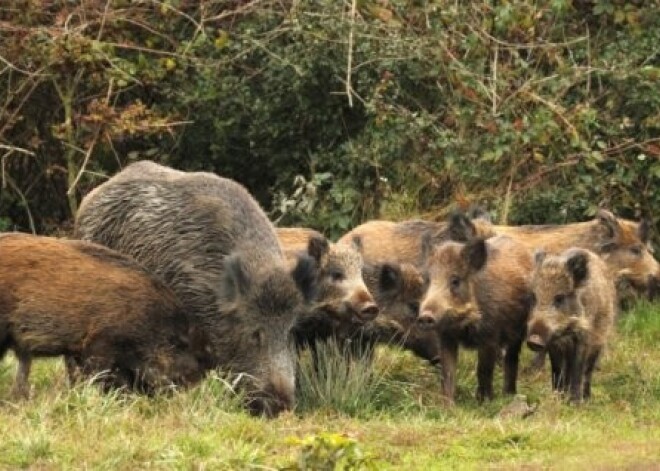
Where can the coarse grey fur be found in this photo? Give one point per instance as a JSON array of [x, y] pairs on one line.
[[209, 240]]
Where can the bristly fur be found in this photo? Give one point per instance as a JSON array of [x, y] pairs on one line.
[[573, 316], [182, 226]]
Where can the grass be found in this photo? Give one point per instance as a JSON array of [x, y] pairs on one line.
[[388, 417]]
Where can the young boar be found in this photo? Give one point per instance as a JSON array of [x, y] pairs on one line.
[[85, 301], [572, 316], [478, 297], [398, 290], [402, 242], [212, 243], [340, 289], [623, 245]]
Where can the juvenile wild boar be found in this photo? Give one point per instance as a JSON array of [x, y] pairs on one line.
[[622, 244], [398, 290], [340, 289], [85, 301], [401, 242], [210, 241], [572, 316], [478, 297]]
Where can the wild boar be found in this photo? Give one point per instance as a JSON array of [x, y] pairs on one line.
[[401, 242], [623, 245], [478, 297], [79, 299], [572, 317], [340, 289], [208, 239], [398, 290]]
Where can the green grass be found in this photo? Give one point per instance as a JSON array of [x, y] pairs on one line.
[[388, 417]]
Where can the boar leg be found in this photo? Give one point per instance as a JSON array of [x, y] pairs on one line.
[[448, 362], [486, 358], [73, 366], [592, 359], [511, 358], [576, 371], [21, 388], [557, 367]]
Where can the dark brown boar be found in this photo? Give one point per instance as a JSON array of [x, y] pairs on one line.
[[478, 297], [85, 301], [398, 291], [210, 241], [573, 314], [401, 242], [340, 289], [623, 245]]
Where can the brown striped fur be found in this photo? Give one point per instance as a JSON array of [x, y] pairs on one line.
[[572, 317], [82, 300], [478, 297]]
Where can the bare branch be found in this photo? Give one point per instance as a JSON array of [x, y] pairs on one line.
[[349, 60]]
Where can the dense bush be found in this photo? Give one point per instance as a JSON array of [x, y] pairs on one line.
[[540, 111]]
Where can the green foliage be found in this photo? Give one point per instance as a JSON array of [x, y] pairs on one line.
[[540, 111], [331, 452]]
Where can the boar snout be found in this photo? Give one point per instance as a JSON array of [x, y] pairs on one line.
[[276, 397], [364, 306], [369, 312], [535, 343], [426, 319]]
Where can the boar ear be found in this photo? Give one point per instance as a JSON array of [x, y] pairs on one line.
[[304, 274], [608, 223], [539, 256], [477, 212], [475, 253], [356, 242], [390, 277], [318, 248], [461, 229], [643, 230], [577, 266], [236, 278]]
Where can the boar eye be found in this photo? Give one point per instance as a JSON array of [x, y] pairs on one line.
[[414, 307], [636, 250], [454, 282], [559, 300], [259, 337], [336, 275]]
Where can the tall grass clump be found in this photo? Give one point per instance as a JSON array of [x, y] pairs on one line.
[[356, 384]]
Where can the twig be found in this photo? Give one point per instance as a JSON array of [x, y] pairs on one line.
[[12, 184], [15, 149], [350, 55], [88, 154], [494, 80]]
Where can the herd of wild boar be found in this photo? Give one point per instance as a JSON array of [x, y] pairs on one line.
[[171, 274]]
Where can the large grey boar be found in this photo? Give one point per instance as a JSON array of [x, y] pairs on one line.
[[572, 317], [95, 305], [478, 297], [211, 242]]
